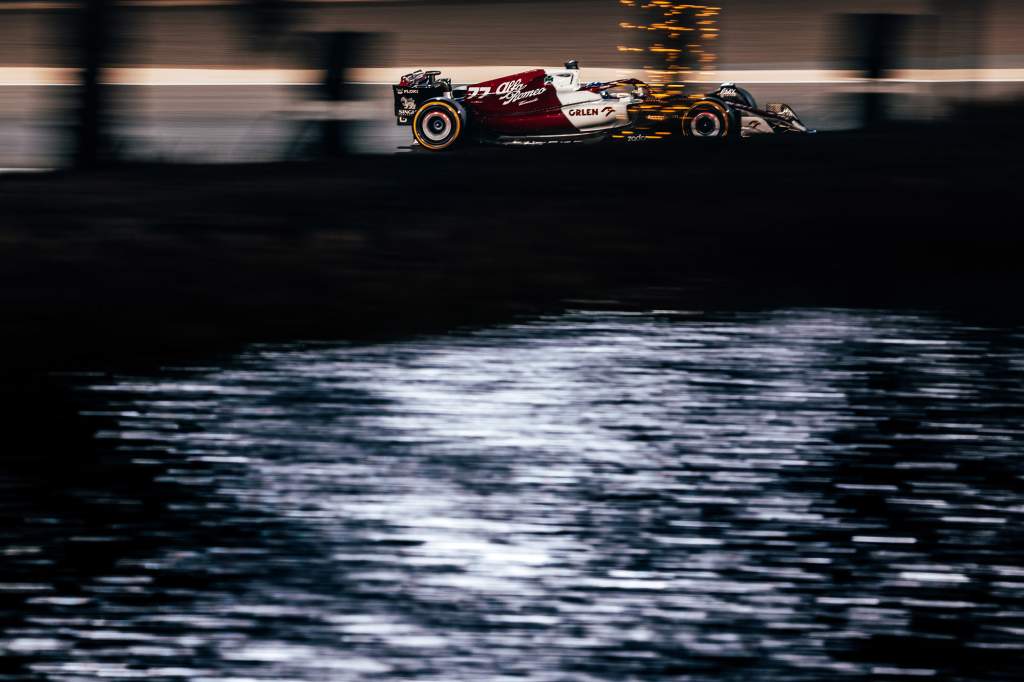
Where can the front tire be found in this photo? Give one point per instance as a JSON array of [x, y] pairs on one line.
[[437, 126], [709, 121]]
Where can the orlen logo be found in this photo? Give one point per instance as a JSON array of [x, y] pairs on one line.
[[607, 111]]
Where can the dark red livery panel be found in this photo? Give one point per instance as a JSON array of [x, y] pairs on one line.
[[520, 104]]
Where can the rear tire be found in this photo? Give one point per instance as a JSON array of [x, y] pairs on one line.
[[437, 126], [709, 121]]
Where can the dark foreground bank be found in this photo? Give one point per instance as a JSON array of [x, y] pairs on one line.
[[139, 260]]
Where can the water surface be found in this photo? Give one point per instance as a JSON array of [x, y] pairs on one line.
[[795, 495]]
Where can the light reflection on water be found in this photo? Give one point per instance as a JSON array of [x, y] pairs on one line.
[[596, 495]]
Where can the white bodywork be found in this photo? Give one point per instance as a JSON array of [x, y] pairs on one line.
[[754, 125], [589, 111]]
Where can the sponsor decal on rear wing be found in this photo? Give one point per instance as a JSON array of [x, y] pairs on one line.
[[415, 89]]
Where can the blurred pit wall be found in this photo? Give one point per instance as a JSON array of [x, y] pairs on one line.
[[196, 84]]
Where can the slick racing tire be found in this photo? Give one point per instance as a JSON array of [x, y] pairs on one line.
[[709, 121], [437, 126]]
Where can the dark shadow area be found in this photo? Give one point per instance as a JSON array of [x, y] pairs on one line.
[[106, 266]]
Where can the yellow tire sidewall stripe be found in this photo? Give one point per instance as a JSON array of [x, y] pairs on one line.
[[725, 115], [429, 145]]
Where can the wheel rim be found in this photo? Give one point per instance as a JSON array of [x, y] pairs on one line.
[[436, 126], [706, 124]]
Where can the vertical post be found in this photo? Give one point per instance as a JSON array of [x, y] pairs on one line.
[[876, 41], [340, 53], [874, 61], [94, 36]]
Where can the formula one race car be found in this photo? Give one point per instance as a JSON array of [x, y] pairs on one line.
[[543, 106]]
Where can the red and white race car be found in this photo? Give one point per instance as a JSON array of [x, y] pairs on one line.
[[544, 106]]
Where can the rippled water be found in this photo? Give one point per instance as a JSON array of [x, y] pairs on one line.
[[797, 495]]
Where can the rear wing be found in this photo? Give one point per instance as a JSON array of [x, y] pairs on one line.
[[416, 88]]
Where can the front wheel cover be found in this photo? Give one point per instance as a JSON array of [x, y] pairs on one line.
[[437, 126], [707, 120]]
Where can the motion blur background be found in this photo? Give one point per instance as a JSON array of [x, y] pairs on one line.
[[229, 81]]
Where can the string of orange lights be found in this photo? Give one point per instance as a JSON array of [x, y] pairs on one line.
[[671, 41], [674, 39]]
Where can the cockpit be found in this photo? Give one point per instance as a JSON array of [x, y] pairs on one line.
[[565, 81]]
